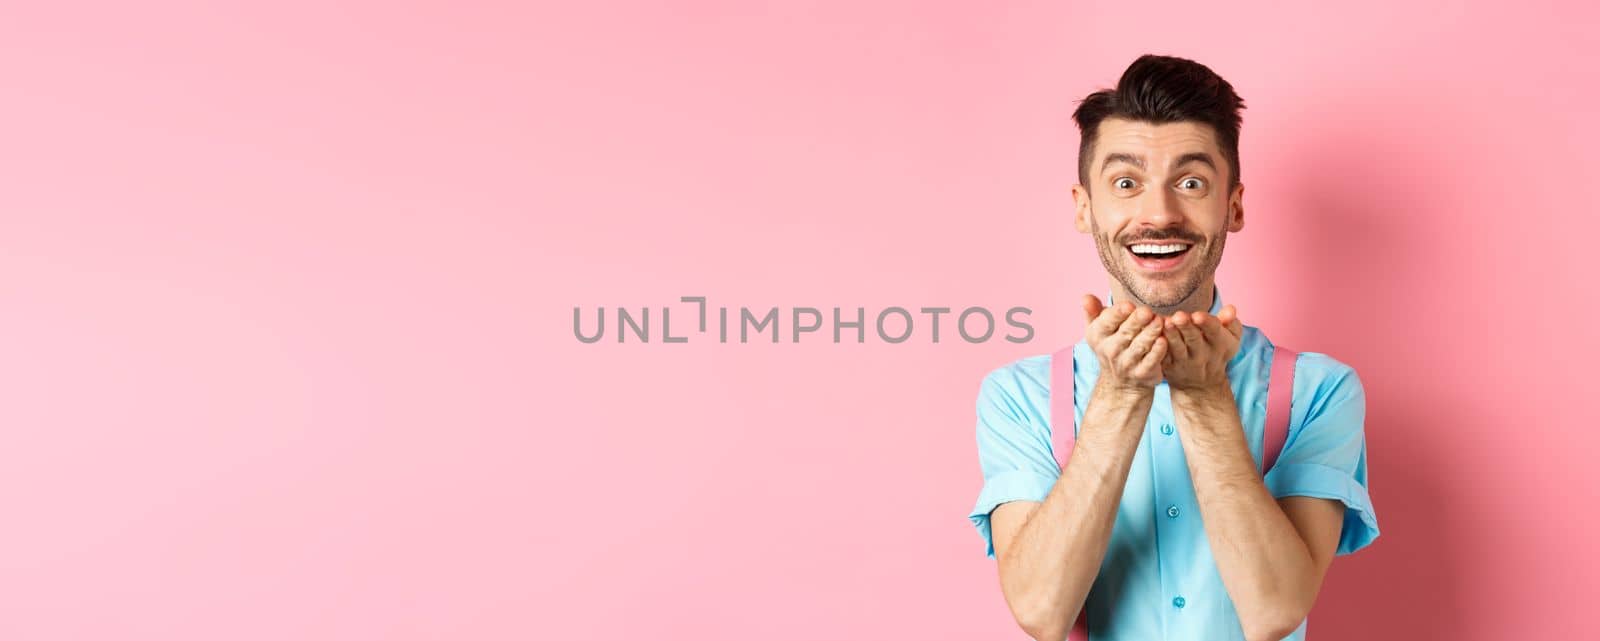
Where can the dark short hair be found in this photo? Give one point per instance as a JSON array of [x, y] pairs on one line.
[[1162, 89]]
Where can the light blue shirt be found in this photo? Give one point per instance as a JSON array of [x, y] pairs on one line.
[[1158, 579]]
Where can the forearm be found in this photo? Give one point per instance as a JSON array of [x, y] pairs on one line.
[[1264, 564], [1057, 552]]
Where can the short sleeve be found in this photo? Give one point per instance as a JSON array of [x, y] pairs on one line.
[[1325, 456], [1013, 451]]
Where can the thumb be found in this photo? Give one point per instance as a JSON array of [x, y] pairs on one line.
[[1092, 307], [1230, 321]]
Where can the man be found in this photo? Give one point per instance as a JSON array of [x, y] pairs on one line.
[[1160, 524]]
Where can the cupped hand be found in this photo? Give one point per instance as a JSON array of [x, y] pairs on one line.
[[1128, 341], [1199, 348]]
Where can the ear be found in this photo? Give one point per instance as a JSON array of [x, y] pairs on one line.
[[1236, 208], [1080, 218]]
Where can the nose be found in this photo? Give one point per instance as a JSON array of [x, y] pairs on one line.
[[1159, 208]]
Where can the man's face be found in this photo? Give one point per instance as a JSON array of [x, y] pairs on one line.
[[1159, 209]]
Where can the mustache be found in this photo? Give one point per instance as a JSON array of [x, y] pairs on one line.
[[1172, 234]]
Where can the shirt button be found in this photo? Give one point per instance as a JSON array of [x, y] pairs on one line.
[[1166, 429], [1172, 512], [1177, 602]]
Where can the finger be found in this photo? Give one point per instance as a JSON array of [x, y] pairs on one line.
[[1154, 359], [1201, 319], [1141, 343], [1193, 340], [1227, 314], [1109, 319], [1132, 325], [1177, 349], [1214, 332], [1092, 308], [1229, 317]]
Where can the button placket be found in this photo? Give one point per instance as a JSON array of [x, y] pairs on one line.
[[1167, 475]]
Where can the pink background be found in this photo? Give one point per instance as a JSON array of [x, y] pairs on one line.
[[287, 300]]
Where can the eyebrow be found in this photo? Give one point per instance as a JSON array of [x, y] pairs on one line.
[[1137, 161]]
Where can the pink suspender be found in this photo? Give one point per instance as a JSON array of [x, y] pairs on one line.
[[1062, 416], [1062, 440], [1062, 405], [1277, 427]]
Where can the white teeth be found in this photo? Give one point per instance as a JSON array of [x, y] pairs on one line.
[[1158, 249]]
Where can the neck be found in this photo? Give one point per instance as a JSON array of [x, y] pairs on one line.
[[1199, 301]]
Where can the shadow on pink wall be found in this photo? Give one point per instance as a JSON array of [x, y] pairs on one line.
[[1357, 273]]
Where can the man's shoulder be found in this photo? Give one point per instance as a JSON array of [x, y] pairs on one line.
[[1018, 393], [1034, 368], [1324, 383], [1320, 379], [1322, 371], [1020, 378], [1315, 368]]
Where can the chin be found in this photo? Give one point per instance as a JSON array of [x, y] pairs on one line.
[[1161, 293]]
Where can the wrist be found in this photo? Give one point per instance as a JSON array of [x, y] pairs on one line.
[[1129, 393], [1204, 395]]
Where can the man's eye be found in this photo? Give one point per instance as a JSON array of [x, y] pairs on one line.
[[1192, 183], [1123, 183]]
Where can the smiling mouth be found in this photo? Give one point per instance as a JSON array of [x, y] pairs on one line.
[[1160, 256]]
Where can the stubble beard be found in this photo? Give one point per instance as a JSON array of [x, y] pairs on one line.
[[1114, 257]]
